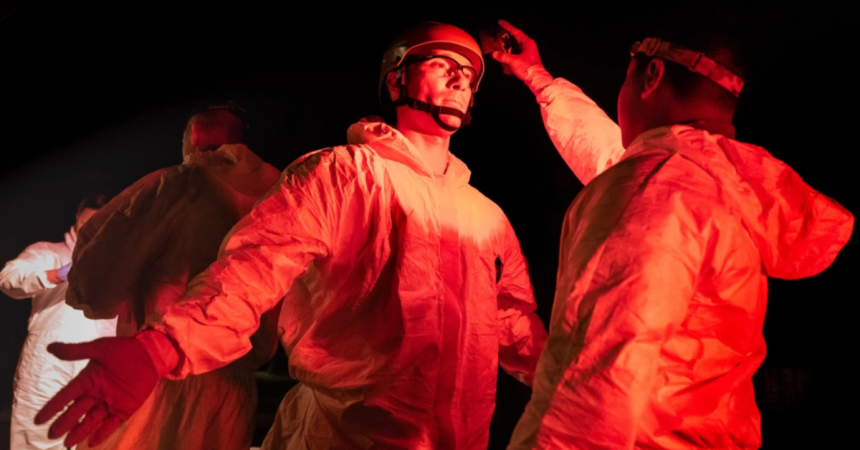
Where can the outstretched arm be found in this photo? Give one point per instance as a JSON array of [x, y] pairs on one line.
[[268, 249], [33, 271], [587, 139]]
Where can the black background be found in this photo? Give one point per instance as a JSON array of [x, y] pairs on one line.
[[93, 98]]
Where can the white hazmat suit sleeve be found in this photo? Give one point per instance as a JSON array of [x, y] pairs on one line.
[[523, 335], [587, 139], [295, 223], [25, 276]]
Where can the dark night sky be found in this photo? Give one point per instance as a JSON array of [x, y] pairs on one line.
[[95, 98]]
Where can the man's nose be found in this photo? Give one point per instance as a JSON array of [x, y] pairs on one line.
[[459, 81]]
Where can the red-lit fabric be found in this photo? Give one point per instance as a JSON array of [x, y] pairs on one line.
[[135, 258], [39, 375], [656, 328], [587, 139], [403, 292]]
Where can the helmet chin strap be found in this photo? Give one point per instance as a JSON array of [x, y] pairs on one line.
[[434, 110]]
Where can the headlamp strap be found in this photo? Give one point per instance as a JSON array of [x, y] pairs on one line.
[[694, 61]]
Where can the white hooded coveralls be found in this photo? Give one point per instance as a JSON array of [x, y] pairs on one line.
[[656, 327], [39, 374], [135, 258], [403, 292]]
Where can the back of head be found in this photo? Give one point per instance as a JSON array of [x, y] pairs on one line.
[[213, 125], [88, 207], [717, 35], [93, 201]]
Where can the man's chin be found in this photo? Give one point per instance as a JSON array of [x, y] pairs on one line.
[[451, 121]]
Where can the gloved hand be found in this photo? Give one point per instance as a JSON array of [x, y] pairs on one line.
[[116, 382], [63, 272], [527, 57]]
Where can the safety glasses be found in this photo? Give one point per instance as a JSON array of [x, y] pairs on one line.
[[445, 66]]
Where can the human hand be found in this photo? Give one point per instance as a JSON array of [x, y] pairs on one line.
[[118, 379], [528, 56]]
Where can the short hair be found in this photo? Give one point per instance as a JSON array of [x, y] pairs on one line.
[[93, 201], [221, 122], [713, 33]]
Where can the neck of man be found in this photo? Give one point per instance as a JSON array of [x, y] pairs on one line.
[[683, 115], [432, 147]]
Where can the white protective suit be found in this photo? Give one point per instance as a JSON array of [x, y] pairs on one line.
[[404, 292], [656, 328], [39, 374], [135, 258]]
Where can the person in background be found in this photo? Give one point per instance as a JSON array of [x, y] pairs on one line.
[[136, 257], [40, 272]]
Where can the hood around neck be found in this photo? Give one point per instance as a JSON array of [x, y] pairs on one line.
[[392, 145]]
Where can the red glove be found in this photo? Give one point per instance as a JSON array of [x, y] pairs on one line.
[[119, 378]]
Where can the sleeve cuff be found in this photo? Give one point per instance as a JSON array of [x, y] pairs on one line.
[[537, 78], [161, 349], [42, 276]]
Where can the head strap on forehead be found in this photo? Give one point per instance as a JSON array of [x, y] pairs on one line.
[[695, 61]]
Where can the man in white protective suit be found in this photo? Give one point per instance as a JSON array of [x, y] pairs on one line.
[[136, 256], [40, 272], [403, 287], [665, 255]]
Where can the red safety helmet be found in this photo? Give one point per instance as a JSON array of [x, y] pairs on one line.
[[419, 41]]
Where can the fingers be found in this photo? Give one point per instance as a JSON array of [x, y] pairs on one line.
[[103, 432], [502, 57], [92, 421], [79, 386], [73, 352], [71, 417], [515, 32]]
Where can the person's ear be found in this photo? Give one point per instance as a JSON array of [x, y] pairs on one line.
[[653, 76], [391, 84]]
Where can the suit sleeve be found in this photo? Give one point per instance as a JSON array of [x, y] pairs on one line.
[[116, 246], [522, 334], [25, 276], [585, 137], [292, 225]]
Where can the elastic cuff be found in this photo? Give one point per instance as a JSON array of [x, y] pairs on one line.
[[161, 349], [537, 78]]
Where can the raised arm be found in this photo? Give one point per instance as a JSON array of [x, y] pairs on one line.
[[27, 274], [522, 335], [587, 139]]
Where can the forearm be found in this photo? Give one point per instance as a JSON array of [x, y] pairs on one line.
[[23, 282], [585, 137], [521, 345], [223, 306]]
